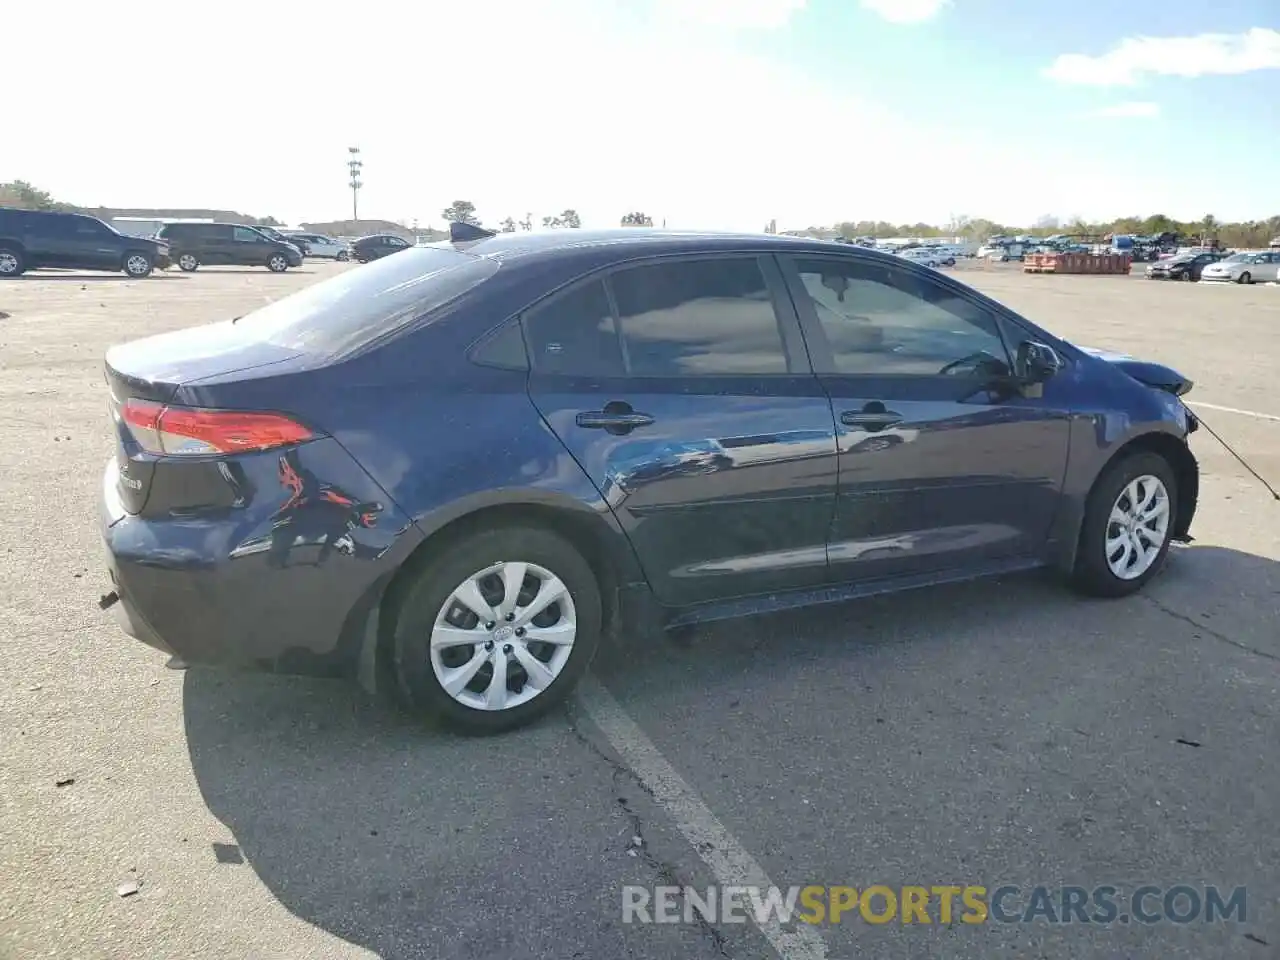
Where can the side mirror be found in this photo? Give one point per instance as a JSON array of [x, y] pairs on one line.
[[1035, 362]]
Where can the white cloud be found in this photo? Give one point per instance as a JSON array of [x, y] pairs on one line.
[[730, 14], [906, 11], [1130, 108], [1138, 57]]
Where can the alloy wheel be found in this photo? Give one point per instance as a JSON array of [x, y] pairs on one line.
[[8, 263], [137, 266], [1137, 527], [503, 636]]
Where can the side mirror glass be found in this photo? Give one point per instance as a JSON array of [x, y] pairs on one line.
[[1036, 362]]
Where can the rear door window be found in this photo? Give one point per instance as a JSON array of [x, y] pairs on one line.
[[574, 334], [699, 318], [348, 311]]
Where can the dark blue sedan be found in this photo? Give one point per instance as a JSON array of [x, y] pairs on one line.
[[472, 461]]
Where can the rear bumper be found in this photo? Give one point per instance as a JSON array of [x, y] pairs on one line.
[[228, 590]]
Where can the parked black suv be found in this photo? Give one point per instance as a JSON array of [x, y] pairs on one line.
[[192, 245], [378, 246], [30, 239]]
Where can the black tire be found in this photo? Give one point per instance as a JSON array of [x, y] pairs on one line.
[[1092, 575], [278, 263], [188, 263], [343, 256], [12, 262], [1245, 277], [422, 600], [137, 264]]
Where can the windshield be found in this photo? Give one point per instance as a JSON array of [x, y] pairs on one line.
[[349, 311], [1238, 258]]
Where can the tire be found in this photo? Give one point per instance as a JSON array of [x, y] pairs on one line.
[[1245, 277], [277, 263], [12, 262], [188, 263], [430, 598], [137, 265], [1094, 573], [342, 256]]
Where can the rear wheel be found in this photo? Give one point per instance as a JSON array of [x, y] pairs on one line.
[[1124, 539], [343, 256], [278, 263], [188, 262], [1245, 277], [12, 263], [496, 629], [137, 265]]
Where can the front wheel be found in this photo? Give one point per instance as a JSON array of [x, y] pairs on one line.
[[496, 629], [138, 265], [343, 256], [1124, 539], [188, 263], [278, 264], [1245, 278]]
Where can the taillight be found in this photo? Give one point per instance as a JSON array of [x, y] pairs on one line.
[[192, 431]]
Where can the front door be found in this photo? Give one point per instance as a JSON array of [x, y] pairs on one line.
[[249, 247], [938, 470], [683, 389]]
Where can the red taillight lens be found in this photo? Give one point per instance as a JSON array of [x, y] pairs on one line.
[[191, 431]]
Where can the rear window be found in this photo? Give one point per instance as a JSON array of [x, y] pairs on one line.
[[355, 308]]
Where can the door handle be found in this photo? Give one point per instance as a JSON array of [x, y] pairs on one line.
[[616, 417], [870, 420]]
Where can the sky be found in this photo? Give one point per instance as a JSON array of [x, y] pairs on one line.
[[701, 113]]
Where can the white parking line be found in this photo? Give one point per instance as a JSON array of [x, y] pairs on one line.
[[1243, 413], [719, 849]]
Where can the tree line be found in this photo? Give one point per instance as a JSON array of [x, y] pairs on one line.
[[1250, 233]]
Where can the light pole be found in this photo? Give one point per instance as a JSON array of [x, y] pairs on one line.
[[354, 166]]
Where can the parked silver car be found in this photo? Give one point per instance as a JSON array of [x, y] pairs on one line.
[[1260, 267], [318, 245]]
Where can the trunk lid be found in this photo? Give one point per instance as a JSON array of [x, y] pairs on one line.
[[155, 369]]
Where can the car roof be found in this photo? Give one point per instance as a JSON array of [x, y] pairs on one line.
[[628, 243]]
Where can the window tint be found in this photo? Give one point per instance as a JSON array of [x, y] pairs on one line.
[[504, 349], [352, 309], [695, 318], [245, 234], [885, 320], [88, 227], [574, 334]]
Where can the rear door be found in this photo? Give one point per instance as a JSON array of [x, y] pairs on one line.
[[683, 389], [937, 470]]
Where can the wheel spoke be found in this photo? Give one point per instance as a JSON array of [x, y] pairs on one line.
[[512, 580], [539, 676], [495, 698], [1159, 509], [561, 634], [455, 681], [549, 591], [445, 636], [469, 596]]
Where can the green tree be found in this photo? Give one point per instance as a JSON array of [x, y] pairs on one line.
[[571, 219], [461, 211], [637, 219], [552, 222], [508, 225], [24, 196], [527, 222]]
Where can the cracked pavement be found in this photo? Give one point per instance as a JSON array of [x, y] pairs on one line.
[[1000, 732]]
